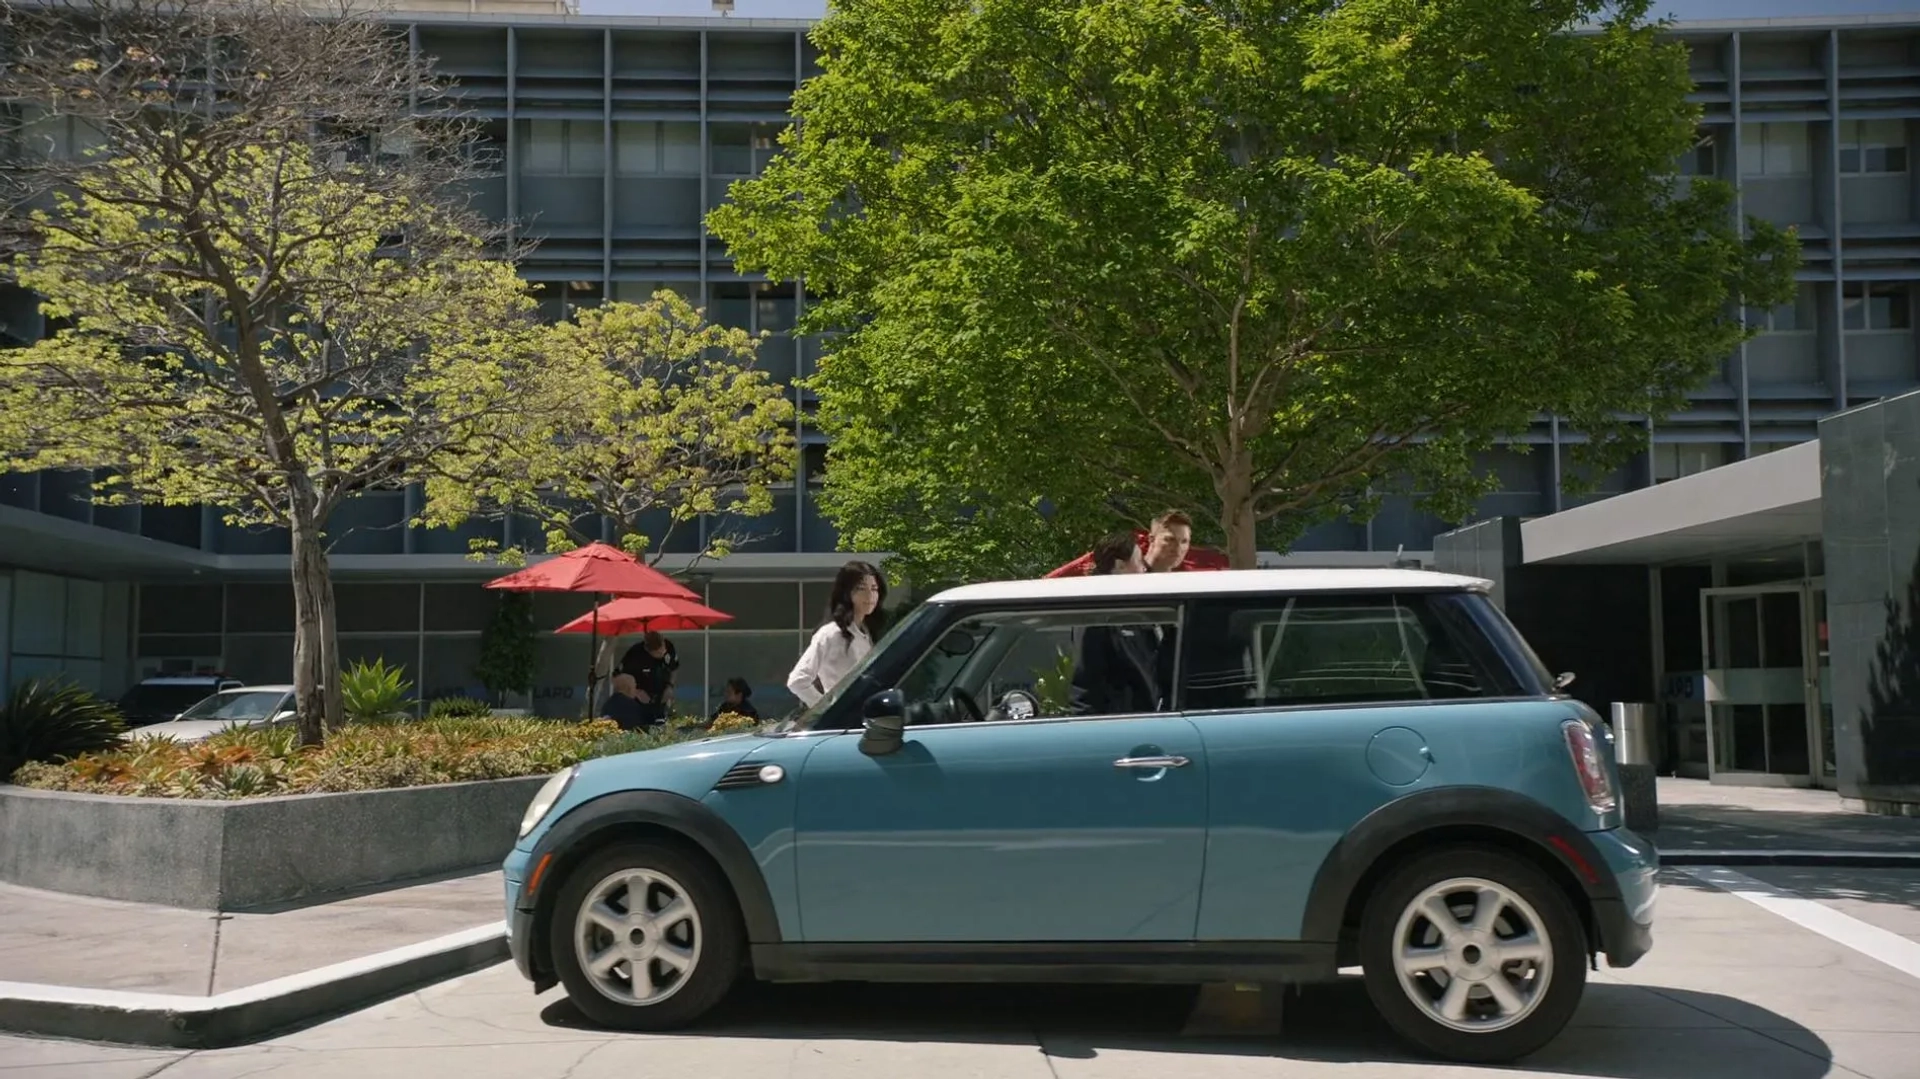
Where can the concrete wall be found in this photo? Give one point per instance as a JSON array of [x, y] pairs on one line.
[[210, 855], [1870, 503]]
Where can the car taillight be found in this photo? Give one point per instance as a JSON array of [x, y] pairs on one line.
[[1589, 765]]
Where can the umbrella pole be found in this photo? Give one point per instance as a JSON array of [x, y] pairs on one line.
[[593, 657]]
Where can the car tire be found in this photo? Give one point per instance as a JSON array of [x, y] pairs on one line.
[[1499, 981], [688, 944]]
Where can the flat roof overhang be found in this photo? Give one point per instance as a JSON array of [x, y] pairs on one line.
[[1764, 502]]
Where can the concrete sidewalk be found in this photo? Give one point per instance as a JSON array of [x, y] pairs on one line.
[[1698, 815], [51, 938]]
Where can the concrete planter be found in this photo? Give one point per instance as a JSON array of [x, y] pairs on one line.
[[220, 855]]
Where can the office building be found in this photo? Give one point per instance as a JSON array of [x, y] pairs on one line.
[[618, 133]]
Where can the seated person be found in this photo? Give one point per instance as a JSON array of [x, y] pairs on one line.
[[624, 706], [1115, 668], [736, 701]]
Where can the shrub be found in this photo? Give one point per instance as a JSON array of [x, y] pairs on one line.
[[459, 708], [52, 721], [246, 763], [509, 647], [374, 692]]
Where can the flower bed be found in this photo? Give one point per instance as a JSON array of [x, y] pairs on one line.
[[358, 757]]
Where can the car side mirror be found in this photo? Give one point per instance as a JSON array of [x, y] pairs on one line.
[[1563, 680], [281, 717], [885, 718]]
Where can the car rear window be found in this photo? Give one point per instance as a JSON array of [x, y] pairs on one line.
[[1272, 651], [164, 699]]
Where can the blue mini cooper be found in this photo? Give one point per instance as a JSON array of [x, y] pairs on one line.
[[1246, 777]]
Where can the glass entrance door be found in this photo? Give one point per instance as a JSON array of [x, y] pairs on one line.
[[1763, 686]]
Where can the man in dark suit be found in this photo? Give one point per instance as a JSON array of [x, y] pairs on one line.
[[1115, 667]]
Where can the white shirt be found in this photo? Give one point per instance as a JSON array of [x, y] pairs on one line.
[[828, 658]]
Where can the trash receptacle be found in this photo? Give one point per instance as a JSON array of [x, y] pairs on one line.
[[1633, 748]]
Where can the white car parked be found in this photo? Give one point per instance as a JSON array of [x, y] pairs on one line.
[[247, 706]]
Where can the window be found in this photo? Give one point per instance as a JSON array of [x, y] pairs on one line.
[[1871, 306], [1029, 664], [1872, 146], [1341, 649], [1798, 316], [743, 149], [562, 148], [1672, 460], [55, 137], [650, 148], [1701, 160], [1778, 149]]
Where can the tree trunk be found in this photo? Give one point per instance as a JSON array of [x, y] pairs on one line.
[[1236, 516], [316, 664]]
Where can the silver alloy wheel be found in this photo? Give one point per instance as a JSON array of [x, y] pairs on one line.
[[638, 937], [1473, 955]]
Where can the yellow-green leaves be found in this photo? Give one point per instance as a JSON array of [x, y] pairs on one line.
[[665, 419]]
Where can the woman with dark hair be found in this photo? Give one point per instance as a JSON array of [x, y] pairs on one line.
[[853, 622]]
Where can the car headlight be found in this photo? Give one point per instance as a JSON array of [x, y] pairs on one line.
[[544, 799]]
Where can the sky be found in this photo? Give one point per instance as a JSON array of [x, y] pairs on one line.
[[1681, 9]]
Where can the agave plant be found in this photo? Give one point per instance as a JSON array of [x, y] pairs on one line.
[[374, 692], [48, 720]]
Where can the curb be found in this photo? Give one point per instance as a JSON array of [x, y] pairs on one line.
[[1851, 859], [246, 1014]]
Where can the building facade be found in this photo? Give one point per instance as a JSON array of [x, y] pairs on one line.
[[614, 135]]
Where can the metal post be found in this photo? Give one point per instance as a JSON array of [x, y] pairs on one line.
[[1633, 748]]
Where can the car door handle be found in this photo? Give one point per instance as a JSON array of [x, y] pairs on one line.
[[1152, 762]]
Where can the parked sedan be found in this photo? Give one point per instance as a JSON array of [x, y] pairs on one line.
[[248, 706]]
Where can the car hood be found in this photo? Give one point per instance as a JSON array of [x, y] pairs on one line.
[[190, 730], [689, 769]]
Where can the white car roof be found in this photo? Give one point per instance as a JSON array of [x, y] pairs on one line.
[[1213, 583]]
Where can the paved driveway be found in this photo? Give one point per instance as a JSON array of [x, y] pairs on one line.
[[1733, 990]]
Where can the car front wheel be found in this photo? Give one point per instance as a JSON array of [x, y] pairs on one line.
[[645, 936], [1473, 954]]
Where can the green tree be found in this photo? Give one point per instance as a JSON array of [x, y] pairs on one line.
[[263, 298], [667, 415], [1248, 258], [509, 648]]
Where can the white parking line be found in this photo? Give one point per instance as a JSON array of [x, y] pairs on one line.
[[1871, 941]]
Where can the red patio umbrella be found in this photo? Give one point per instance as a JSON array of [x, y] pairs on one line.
[[602, 571], [638, 614], [1198, 558]]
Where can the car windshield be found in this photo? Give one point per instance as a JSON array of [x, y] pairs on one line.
[[238, 705], [154, 700], [806, 719]]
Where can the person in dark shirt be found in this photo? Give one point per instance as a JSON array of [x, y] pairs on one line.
[[623, 705], [736, 700], [1115, 669], [654, 664]]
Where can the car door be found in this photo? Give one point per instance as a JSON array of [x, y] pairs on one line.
[[1059, 827], [1315, 711]]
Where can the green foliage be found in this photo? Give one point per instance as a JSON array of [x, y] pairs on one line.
[[374, 692], [1259, 261], [1054, 689], [509, 647], [459, 708], [668, 416], [252, 762], [46, 720]]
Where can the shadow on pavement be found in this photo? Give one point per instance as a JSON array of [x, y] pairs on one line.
[[1900, 887], [1621, 1031], [1714, 827]]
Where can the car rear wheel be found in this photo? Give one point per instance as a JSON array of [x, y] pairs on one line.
[[646, 937], [1473, 954]]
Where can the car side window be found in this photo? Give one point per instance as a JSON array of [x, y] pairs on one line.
[[1271, 651], [1031, 664]]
